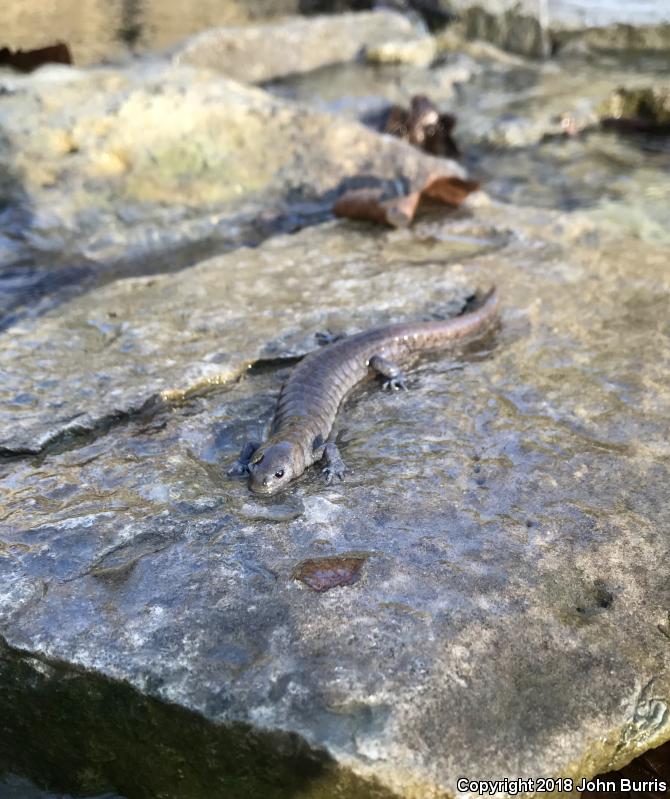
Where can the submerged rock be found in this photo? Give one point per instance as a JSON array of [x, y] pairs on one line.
[[419, 52], [511, 616], [644, 109], [257, 53], [324, 574], [113, 172], [536, 27]]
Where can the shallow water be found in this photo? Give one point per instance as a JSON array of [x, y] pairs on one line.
[[511, 119]]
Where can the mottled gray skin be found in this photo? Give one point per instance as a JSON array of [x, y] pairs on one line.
[[310, 399]]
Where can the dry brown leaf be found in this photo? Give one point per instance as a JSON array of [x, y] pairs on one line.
[[369, 205], [449, 190], [29, 60], [322, 574]]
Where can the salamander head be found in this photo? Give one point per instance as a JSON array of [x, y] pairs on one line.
[[271, 468]]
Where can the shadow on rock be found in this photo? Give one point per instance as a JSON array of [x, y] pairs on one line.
[[28, 279], [75, 731]]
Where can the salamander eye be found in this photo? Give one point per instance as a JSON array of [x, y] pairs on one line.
[[279, 474]]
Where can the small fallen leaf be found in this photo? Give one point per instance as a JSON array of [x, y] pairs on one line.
[[362, 204], [29, 60], [449, 190], [322, 574], [370, 205]]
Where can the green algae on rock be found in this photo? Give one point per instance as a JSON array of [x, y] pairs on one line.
[[642, 109]]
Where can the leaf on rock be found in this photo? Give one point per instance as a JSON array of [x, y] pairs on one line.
[[29, 60], [370, 204], [322, 574]]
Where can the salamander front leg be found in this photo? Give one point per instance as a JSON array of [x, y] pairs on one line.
[[241, 465], [395, 379], [334, 464]]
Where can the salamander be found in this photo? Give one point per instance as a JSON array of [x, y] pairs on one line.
[[300, 435]]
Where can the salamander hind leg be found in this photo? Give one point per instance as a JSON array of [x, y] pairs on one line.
[[334, 464], [325, 337], [395, 379], [241, 465]]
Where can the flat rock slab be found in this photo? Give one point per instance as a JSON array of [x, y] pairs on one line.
[[139, 341], [257, 53], [483, 597], [147, 169]]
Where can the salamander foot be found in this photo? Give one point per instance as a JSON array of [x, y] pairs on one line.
[[334, 464], [395, 379], [241, 465], [325, 337], [395, 383]]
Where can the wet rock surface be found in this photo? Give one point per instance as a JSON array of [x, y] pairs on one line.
[[510, 508], [485, 595], [164, 337]]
